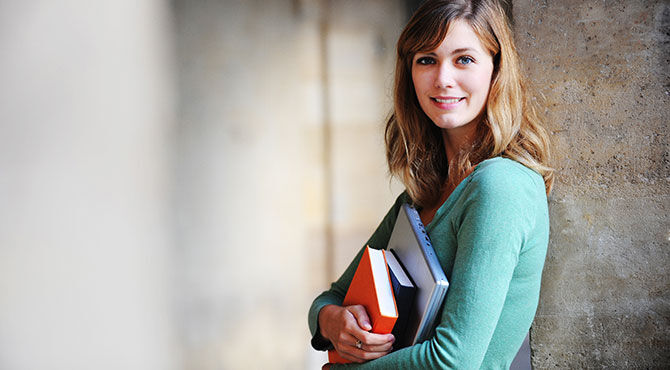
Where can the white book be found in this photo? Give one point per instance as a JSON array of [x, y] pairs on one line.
[[382, 283]]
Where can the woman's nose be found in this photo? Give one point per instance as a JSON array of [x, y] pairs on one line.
[[444, 77]]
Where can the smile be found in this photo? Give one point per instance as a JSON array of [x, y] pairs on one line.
[[447, 100], [447, 103]]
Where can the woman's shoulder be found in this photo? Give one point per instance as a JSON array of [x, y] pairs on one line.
[[505, 177]]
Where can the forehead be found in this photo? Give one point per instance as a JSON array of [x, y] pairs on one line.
[[460, 35]]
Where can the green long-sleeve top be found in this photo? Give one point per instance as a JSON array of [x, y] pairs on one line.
[[491, 238]]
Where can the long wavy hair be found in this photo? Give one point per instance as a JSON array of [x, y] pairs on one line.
[[510, 125]]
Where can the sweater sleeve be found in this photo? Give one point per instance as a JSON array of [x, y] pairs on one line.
[[497, 213], [338, 289]]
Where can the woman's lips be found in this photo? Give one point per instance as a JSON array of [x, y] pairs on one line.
[[446, 102]]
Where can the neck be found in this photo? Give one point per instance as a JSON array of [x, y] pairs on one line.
[[458, 139]]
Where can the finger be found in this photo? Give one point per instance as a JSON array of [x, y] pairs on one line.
[[347, 352], [362, 355], [362, 331], [358, 355], [349, 346], [372, 339], [388, 347], [351, 340], [361, 316], [367, 356]]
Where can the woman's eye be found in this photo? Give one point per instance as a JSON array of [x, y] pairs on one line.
[[425, 60], [464, 60]]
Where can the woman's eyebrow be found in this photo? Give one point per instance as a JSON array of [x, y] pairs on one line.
[[455, 51], [463, 50], [428, 53]]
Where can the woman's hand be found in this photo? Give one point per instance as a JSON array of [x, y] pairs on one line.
[[348, 328]]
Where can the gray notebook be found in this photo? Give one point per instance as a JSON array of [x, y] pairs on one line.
[[411, 244]]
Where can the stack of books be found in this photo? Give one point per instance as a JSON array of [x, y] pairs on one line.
[[402, 288]]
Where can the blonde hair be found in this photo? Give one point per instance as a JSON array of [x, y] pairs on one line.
[[510, 126]]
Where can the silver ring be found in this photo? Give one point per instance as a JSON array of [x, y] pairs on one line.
[[359, 344]]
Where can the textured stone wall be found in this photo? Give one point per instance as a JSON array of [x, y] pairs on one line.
[[278, 144], [603, 68], [248, 182], [86, 109]]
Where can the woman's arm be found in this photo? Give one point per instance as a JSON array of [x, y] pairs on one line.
[[335, 295], [498, 212]]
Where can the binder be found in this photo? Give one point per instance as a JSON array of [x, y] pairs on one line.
[[411, 244]]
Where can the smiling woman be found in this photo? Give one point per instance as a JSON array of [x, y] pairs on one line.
[[466, 143], [452, 85], [452, 82]]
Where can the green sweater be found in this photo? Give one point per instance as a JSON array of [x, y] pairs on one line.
[[491, 238]]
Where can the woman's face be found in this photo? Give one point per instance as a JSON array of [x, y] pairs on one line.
[[452, 82]]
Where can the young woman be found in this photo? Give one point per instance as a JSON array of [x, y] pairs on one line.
[[465, 141]]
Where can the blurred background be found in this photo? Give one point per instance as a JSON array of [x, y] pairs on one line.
[[179, 179]]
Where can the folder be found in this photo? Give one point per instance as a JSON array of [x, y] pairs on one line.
[[411, 244]]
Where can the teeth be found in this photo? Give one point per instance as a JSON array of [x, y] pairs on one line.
[[447, 101]]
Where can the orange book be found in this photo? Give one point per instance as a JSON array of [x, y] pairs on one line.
[[371, 287]]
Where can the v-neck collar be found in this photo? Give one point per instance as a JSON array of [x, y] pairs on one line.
[[453, 197]]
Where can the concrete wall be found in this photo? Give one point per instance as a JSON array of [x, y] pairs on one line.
[[360, 50], [603, 67], [85, 126], [249, 181], [280, 171], [172, 208]]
